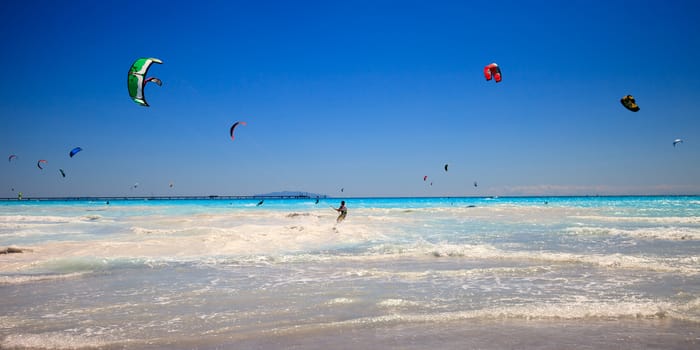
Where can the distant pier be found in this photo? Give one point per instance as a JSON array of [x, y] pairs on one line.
[[146, 198]]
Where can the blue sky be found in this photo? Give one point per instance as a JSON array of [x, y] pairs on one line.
[[368, 96]]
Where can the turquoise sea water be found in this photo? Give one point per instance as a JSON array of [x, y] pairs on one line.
[[550, 273]]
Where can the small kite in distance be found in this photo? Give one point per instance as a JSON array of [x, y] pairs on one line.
[[62, 172], [629, 103], [11, 157], [74, 151], [425, 177], [233, 127], [492, 70], [136, 80], [677, 141], [38, 164]]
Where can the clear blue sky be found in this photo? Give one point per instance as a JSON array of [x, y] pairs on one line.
[[368, 96]]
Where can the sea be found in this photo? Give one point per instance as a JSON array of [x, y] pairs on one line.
[[397, 273]]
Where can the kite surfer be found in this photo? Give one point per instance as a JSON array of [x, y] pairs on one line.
[[343, 210]]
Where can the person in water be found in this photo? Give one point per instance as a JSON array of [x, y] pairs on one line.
[[343, 210]]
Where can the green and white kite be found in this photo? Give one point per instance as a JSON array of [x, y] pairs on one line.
[[136, 80]]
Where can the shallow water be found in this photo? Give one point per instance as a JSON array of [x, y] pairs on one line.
[[538, 273]]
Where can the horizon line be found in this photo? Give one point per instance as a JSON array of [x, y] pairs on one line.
[[249, 197]]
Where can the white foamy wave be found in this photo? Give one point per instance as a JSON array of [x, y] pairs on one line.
[[36, 219], [27, 220], [38, 227], [689, 311], [669, 220], [431, 274], [55, 340], [340, 301], [152, 231], [21, 279], [397, 303], [565, 311], [660, 233], [575, 310], [80, 265], [488, 252]]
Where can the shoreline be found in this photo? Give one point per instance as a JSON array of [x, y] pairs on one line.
[[600, 334]]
